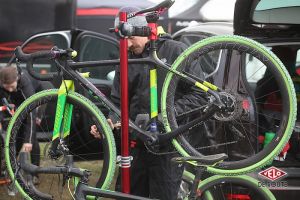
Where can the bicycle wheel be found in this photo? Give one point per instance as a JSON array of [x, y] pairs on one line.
[[257, 90], [2, 165], [101, 161], [234, 187], [225, 187]]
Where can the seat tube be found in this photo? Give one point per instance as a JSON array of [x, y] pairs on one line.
[[152, 24], [153, 100]]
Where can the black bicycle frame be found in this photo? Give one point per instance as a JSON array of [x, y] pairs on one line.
[[83, 190], [147, 137]]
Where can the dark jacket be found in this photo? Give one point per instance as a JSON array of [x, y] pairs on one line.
[[138, 78], [25, 88]]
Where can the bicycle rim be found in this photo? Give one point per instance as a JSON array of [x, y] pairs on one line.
[[102, 165], [242, 83]]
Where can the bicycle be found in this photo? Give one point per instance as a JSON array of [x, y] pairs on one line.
[[3, 175], [6, 111], [228, 108], [213, 187]]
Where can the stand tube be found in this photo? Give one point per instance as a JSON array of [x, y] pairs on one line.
[[125, 168]]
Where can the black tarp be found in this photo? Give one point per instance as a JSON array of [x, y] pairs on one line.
[[20, 19]]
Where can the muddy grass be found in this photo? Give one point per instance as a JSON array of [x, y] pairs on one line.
[[50, 183]]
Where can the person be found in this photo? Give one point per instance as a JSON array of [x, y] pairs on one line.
[[16, 86], [153, 176]]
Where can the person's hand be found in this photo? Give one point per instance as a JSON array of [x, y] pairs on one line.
[[38, 121], [94, 131], [27, 147]]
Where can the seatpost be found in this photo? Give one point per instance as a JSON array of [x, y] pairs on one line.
[[152, 24], [125, 158], [194, 191]]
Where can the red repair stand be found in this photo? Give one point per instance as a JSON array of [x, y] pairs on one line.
[[125, 157]]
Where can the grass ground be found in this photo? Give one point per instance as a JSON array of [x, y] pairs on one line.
[[50, 183]]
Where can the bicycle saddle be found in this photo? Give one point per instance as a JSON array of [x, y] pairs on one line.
[[206, 160]]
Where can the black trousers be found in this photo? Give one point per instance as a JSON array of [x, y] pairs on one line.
[[153, 176], [35, 153]]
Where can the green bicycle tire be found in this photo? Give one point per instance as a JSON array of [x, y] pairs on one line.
[[45, 97], [213, 181], [242, 180], [233, 42]]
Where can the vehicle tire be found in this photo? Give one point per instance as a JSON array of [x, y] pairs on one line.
[[102, 169], [248, 85]]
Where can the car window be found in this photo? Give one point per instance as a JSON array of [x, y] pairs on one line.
[[208, 62], [255, 70], [93, 48], [190, 39], [278, 12], [45, 42]]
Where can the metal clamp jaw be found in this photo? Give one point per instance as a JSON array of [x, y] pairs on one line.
[[124, 162]]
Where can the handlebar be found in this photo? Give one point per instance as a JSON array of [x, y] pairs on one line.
[[54, 53], [34, 170], [67, 170]]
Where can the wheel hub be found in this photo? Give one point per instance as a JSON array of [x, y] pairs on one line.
[[232, 109]]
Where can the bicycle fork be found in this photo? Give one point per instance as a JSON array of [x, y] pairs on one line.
[[63, 118]]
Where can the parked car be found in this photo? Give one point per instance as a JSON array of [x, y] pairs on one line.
[[183, 13]]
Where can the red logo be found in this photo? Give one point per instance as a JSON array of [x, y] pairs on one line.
[[272, 173]]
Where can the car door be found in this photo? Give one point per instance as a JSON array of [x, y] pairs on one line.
[[93, 46]]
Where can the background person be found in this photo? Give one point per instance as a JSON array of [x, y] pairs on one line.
[[153, 176], [16, 87]]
